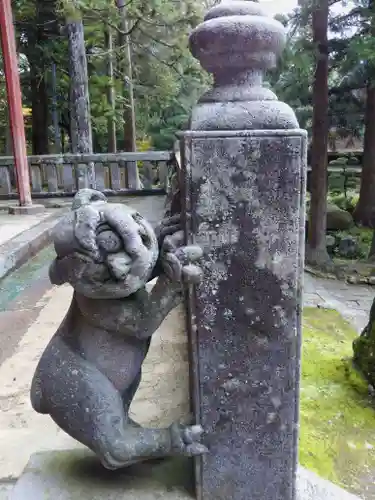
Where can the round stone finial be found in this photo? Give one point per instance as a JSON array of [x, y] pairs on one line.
[[237, 43]]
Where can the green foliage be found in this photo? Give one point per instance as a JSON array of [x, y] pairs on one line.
[[337, 429], [166, 79], [351, 58], [345, 202], [292, 80]]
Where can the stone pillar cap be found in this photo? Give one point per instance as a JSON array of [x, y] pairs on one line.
[[237, 43], [237, 34]]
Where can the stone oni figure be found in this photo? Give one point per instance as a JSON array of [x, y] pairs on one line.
[[89, 373]]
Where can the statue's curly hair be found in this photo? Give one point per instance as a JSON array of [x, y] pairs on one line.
[[104, 250]]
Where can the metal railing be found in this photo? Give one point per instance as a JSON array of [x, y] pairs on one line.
[[115, 173]]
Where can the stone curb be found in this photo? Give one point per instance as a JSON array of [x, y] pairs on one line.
[[350, 279], [22, 247], [320, 274]]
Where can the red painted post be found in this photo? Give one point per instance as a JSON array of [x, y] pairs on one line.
[[8, 45]]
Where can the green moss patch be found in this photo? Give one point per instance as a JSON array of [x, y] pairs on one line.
[[337, 433]]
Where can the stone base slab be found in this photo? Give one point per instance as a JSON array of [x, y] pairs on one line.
[[26, 210], [77, 474]]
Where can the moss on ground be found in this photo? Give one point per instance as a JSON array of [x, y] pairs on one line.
[[337, 434]]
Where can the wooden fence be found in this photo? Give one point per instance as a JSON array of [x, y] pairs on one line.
[[59, 175]]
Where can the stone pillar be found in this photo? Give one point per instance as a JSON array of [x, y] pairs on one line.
[[244, 166]]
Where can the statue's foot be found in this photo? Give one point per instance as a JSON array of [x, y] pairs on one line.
[[186, 440], [139, 444]]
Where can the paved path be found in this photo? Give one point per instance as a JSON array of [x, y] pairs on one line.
[[13, 225], [353, 302]]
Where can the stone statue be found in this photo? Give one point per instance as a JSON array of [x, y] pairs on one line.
[[90, 371], [364, 350]]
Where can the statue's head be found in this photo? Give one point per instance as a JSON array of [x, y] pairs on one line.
[[104, 250]]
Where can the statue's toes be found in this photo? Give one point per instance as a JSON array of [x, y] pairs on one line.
[[186, 440], [188, 254], [193, 434]]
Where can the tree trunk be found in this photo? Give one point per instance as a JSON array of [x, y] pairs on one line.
[[316, 250], [40, 31], [111, 123], [39, 113], [364, 213], [129, 111], [55, 113], [79, 97], [127, 75]]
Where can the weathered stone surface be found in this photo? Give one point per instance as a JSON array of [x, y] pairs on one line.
[[338, 219], [90, 371], [245, 192], [236, 43], [244, 160], [348, 247]]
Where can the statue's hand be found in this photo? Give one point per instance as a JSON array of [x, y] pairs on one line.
[[178, 260], [167, 227]]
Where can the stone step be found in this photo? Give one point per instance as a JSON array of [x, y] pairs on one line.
[[73, 474]]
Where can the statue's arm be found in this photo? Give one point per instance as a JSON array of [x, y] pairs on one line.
[[139, 315]]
